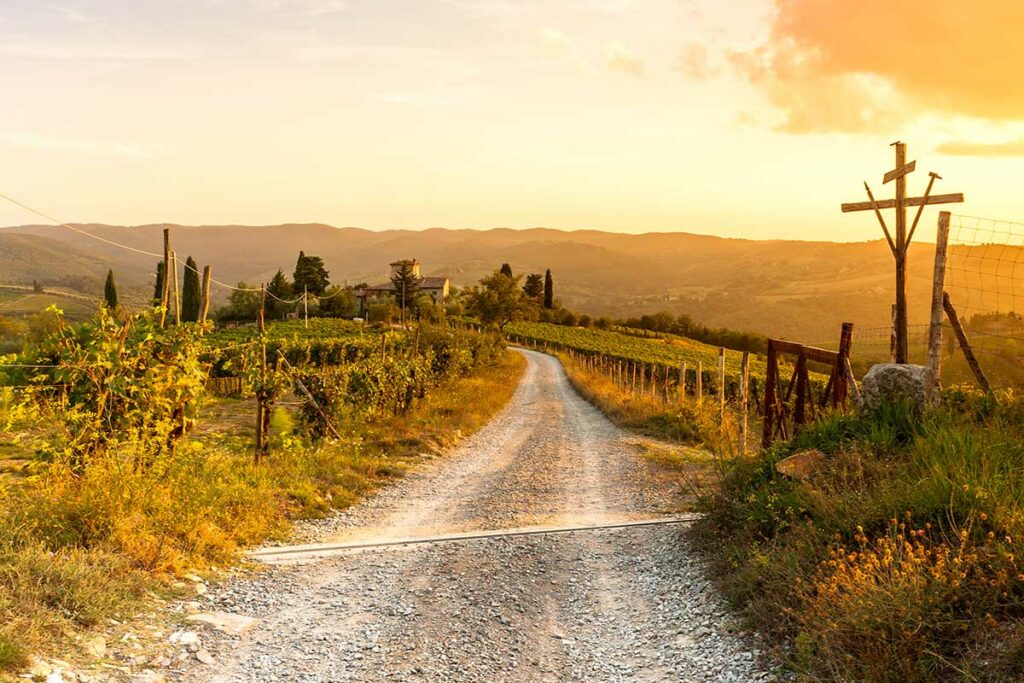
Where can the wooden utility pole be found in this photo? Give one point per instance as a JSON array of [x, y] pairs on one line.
[[938, 282], [165, 293], [205, 310], [900, 245]]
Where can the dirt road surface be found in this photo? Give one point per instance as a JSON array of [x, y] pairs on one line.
[[629, 604]]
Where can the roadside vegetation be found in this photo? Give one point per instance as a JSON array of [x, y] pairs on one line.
[[898, 557], [118, 470]]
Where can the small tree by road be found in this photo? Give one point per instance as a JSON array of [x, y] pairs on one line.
[[499, 300]]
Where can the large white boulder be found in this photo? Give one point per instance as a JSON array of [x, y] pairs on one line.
[[914, 384]]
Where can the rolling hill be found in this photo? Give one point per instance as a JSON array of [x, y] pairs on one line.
[[800, 290]]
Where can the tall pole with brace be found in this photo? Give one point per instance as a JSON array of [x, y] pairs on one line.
[[900, 245]]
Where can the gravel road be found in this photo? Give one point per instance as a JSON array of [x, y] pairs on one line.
[[600, 605]]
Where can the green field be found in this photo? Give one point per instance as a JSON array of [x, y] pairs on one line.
[[20, 304]]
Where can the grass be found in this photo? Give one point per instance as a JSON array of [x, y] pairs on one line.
[[680, 421], [77, 550], [897, 558]]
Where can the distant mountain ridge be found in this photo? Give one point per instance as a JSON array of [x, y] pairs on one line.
[[802, 290]]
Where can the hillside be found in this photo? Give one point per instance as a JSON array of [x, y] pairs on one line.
[[787, 288]]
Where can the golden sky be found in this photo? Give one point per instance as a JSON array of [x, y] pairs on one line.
[[747, 118]]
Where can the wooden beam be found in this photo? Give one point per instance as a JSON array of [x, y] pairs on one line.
[[909, 201], [899, 172], [965, 345], [881, 221], [812, 353]]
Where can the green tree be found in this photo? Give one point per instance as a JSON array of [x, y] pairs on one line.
[[310, 274], [534, 287], [158, 289], [499, 300], [506, 270], [110, 291], [406, 283], [339, 302], [279, 290], [191, 296], [549, 290], [243, 304]]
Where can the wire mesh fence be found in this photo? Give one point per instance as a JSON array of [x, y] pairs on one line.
[[985, 281]]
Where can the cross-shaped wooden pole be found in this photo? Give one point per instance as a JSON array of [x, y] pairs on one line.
[[900, 245]]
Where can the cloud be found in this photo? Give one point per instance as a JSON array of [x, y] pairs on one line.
[[311, 8], [620, 58], [81, 146], [416, 100], [934, 56], [695, 62], [72, 15], [558, 44], [1009, 148]]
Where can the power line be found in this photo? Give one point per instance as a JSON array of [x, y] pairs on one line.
[[116, 244]]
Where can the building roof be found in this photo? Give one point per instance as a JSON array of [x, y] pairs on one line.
[[435, 282]]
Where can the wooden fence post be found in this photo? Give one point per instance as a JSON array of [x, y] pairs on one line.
[[771, 380], [700, 383], [840, 386], [682, 382], [938, 282], [744, 400], [721, 383], [965, 345]]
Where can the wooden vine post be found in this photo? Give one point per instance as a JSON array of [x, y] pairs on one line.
[[721, 384], [165, 291], [899, 246], [700, 382], [205, 310], [682, 382], [261, 394], [744, 400]]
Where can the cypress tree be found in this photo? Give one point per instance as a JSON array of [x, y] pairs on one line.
[[158, 290], [191, 297], [549, 290], [506, 270], [110, 291]]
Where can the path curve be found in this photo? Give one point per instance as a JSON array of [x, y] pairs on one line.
[[612, 605]]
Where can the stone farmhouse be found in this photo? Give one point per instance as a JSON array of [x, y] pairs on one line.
[[436, 286]]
